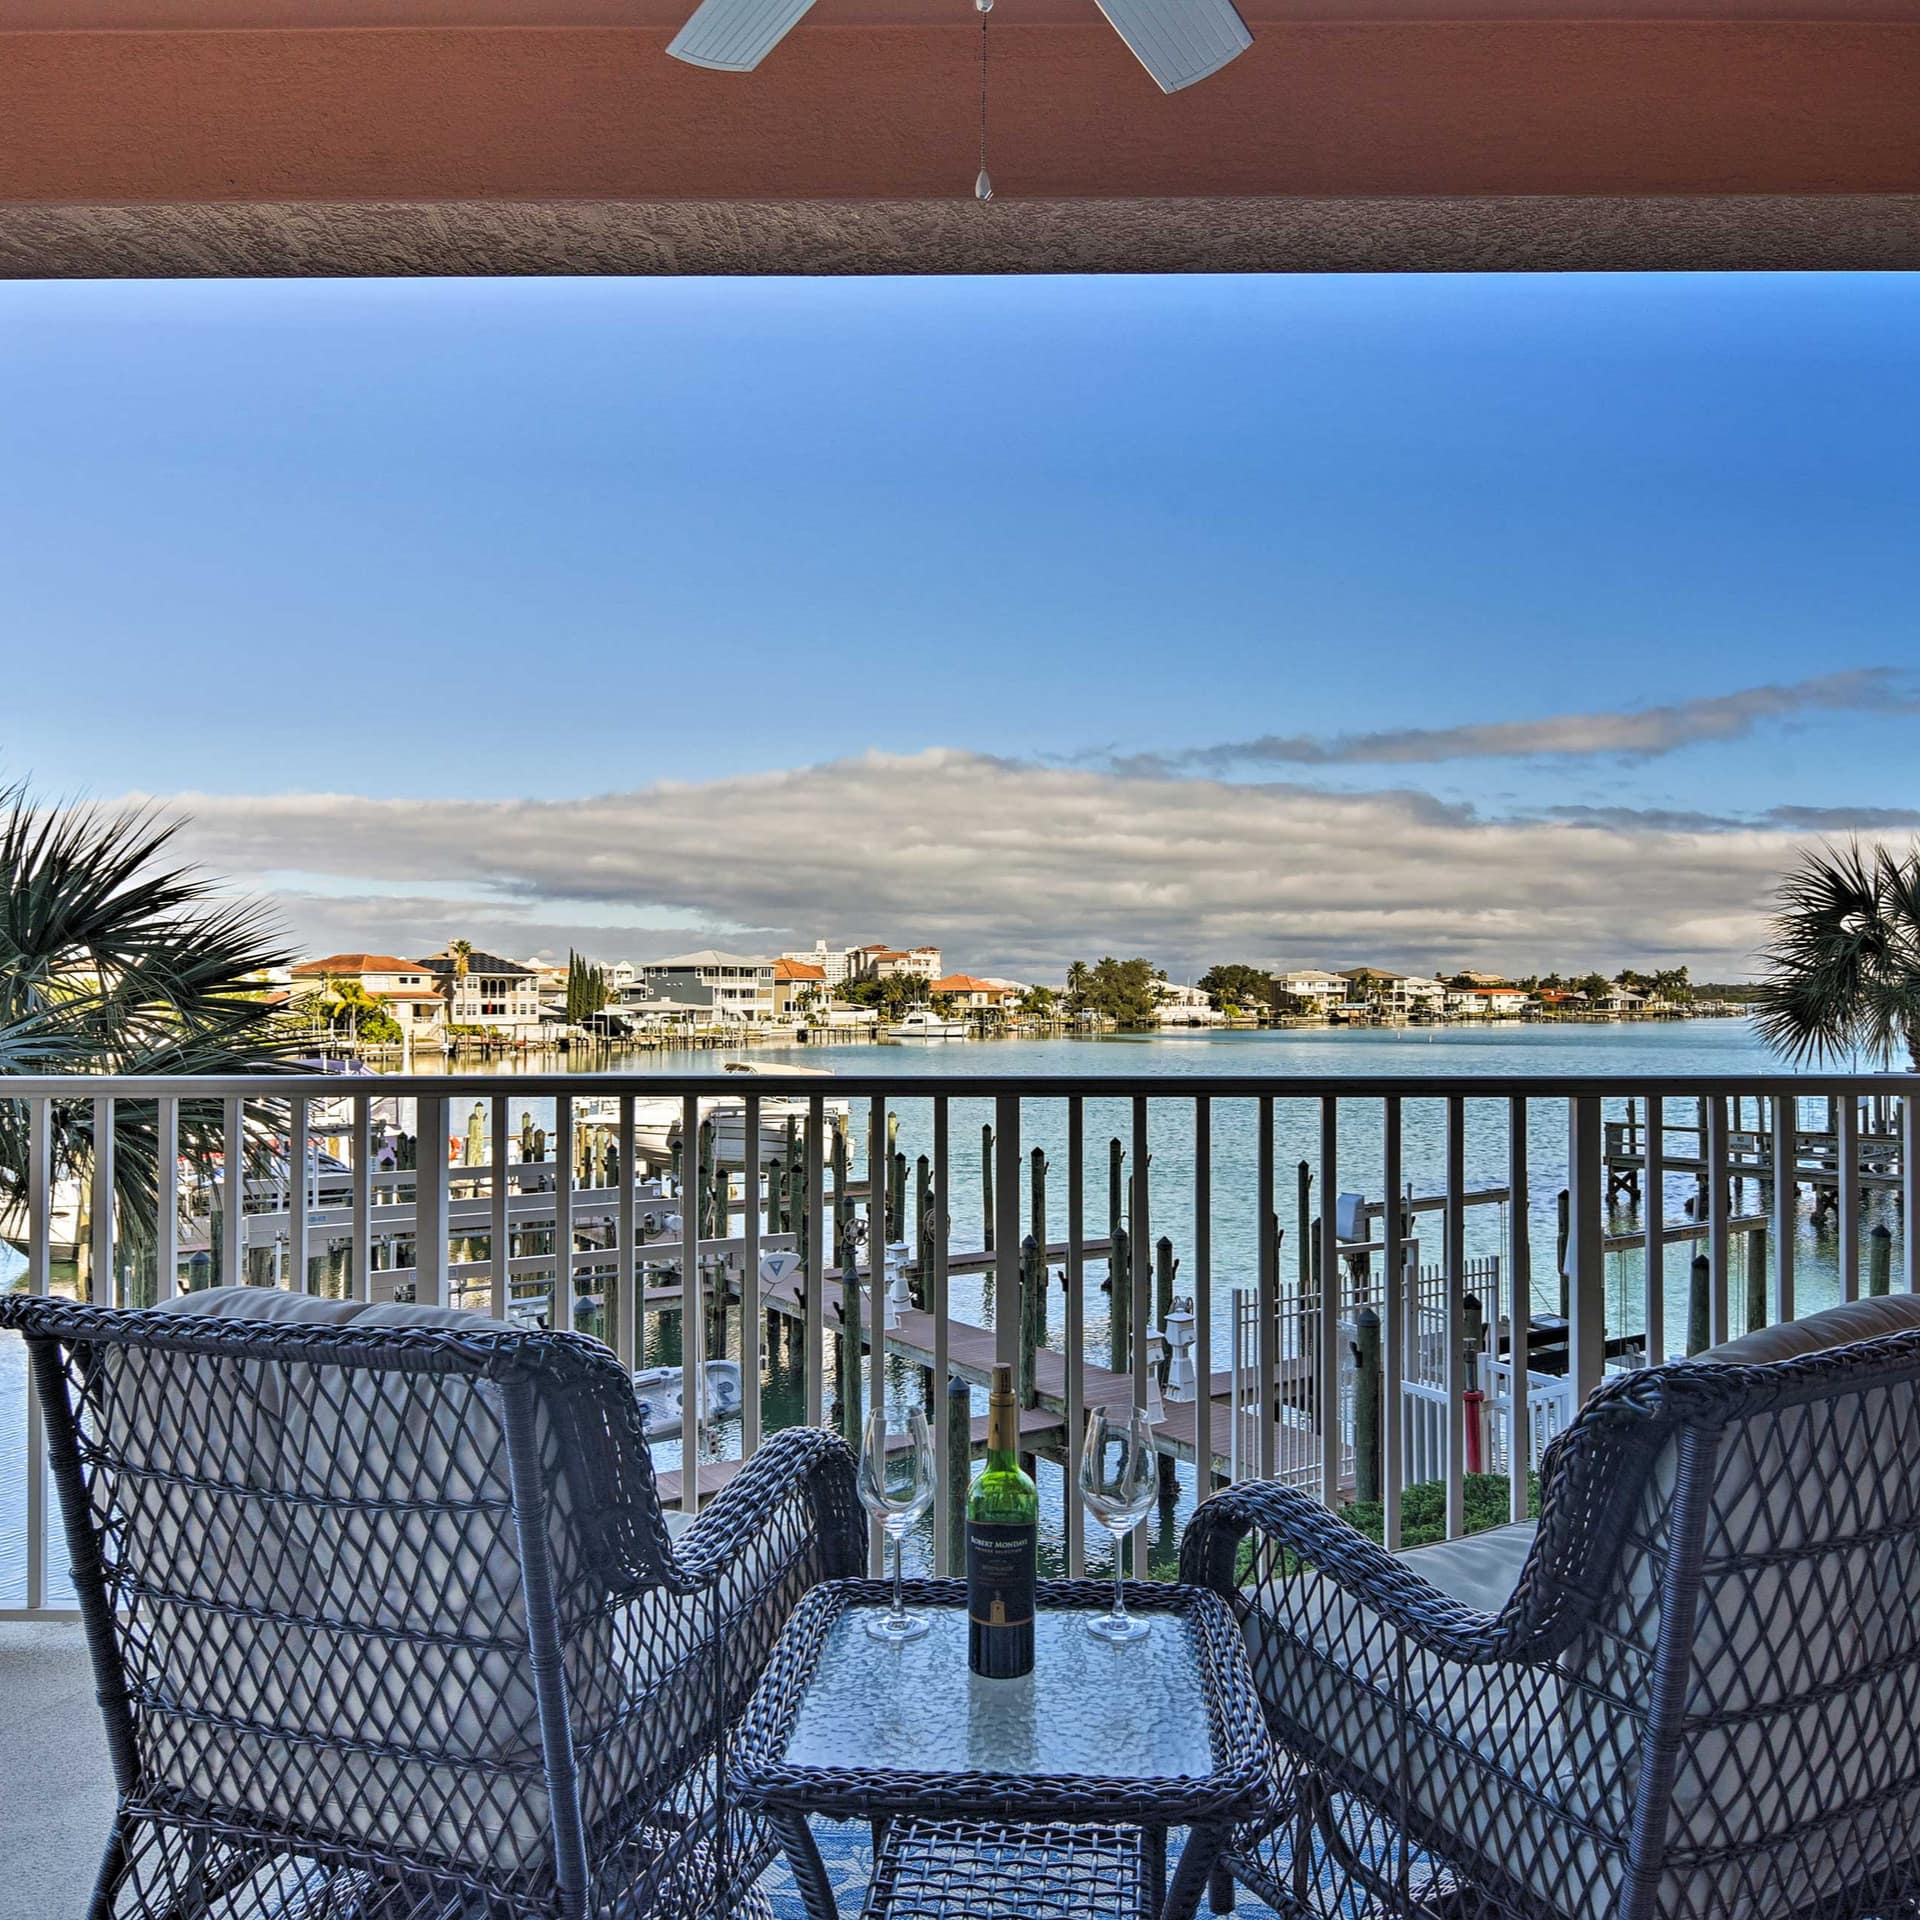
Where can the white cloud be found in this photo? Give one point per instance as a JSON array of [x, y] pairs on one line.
[[1637, 734], [1013, 869]]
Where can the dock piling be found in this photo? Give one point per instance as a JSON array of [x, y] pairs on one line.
[[1366, 1404], [959, 1468]]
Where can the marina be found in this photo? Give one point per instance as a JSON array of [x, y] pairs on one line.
[[1078, 1295]]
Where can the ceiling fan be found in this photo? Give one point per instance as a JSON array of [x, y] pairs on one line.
[[1177, 41]]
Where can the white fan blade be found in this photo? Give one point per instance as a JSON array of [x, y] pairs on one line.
[[736, 35], [1179, 41]]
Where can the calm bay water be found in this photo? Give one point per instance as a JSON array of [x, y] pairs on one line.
[[1707, 1047]]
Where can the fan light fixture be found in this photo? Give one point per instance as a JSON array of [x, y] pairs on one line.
[[1177, 41]]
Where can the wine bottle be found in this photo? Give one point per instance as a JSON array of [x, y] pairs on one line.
[[1003, 1514]]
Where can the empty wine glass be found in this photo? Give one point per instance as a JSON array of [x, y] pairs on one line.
[[1118, 1477], [896, 1487]]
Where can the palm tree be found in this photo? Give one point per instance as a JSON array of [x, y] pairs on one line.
[[460, 951], [114, 960], [1844, 965]]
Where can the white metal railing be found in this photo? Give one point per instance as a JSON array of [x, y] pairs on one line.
[[1402, 1196]]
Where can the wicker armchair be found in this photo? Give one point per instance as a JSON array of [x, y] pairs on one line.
[[1693, 1690], [386, 1621]]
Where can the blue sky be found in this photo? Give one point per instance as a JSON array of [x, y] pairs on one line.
[[544, 540]]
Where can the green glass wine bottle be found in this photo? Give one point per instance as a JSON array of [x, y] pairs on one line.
[[1003, 1515]]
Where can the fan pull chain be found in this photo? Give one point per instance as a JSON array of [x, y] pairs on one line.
[[983, 185]]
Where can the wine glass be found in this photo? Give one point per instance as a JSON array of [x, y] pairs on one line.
[[1118, 1477], [896, 1487]]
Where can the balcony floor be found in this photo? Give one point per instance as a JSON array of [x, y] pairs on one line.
[[56, 1787], [56, 1790]]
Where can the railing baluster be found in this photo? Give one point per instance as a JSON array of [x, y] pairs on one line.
[[299, 1267], [39, 1281], [1653, 1220], [102, 1281], [933, 1281], [233, 1192], [1006, 1229], [1910, 1180], [1719, 1236], [430, 1201], [1331, 1435], [360, 1253], [1519, 1310], [1202, 1284], [1786, 1202], [563, 1152], [819, 1262], [750, 1312], [500, 1214], [1140, 1251], [878, 1173], [1847, 1185], [1266, 1337], [1393, 1309], [1455, 1261], [1076, 1395], [166, 1218], [1586, 1247], [692, 1327]]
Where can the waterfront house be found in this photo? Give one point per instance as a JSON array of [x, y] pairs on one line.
[[741, 984], [1181, 1006], [405, 988], [1315, 988], [894, 963], [835, 963], [488, 991], [1486, 1002], [967, 993], [796, 983]]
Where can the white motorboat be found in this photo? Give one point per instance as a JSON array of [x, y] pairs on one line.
[[658, 1391], [924, 1024], [657, 1123]]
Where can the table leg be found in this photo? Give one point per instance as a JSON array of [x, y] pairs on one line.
[[809, 1870], [1205, 1843], [1153, 1850]]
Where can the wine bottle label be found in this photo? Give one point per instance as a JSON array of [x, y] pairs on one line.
[[1000, 1559], [1000, 1573]]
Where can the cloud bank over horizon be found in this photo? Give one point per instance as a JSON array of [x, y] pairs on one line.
[[1015, 868]]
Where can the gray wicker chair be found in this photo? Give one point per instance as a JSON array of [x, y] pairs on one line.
[[1692, 1691], [386, 1621]]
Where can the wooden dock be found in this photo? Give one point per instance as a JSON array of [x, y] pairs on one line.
[[973, 1351]]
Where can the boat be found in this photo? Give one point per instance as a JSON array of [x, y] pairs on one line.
[[657, 1389], [657, 1122], [924, 1024]]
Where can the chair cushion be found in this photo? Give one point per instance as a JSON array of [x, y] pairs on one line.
[[1838, 1326], [274, 1304], [1503, 1758], [1482, 1569], [393, 1502]]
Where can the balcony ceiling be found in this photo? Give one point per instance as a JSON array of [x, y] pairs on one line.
[[436, 136]]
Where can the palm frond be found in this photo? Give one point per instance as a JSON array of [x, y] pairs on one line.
[[1844, 960]]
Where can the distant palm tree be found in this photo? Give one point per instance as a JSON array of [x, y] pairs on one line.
[[461, 952], [112, 960], [1844, 966]]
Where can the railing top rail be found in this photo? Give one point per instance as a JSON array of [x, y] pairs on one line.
[[958, 1086]]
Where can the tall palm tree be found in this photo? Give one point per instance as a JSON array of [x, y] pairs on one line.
[[1844, 965], [113, 959], [460, 952]]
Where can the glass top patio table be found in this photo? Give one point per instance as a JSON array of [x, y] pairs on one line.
[[1164, 1732]]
